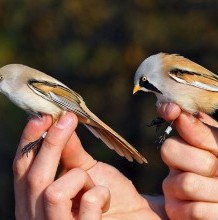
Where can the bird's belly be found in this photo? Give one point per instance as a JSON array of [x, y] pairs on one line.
[[184, 101], [31, 102], [192, 100], [46, 107]]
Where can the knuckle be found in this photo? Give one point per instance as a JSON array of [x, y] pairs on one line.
[[189, 184], [166, 185], [169, 147], [171, 208], [171, 212], [18, 167], [197, 212], [53, 196], [103, 192], [166, 146], [211, 164], [89, 199], [97, 196], [35, 181]]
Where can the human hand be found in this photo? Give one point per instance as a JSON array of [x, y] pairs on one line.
[[85, 189], [191, 188]]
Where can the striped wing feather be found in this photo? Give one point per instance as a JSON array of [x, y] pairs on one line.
[[188, 72], [203, 81], [71, 101]]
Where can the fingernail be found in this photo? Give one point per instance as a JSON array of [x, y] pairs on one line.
[[64, 121]]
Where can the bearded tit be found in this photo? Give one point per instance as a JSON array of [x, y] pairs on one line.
[[173, 78], [38, 94]]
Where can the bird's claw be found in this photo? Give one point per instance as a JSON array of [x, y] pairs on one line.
[[159, 141], [31, 146], [156, 122]]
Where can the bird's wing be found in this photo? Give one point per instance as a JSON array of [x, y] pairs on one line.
[[204, 80], [71, 101], [63, 96]]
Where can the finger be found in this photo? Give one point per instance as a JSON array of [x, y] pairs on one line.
[[190, 128], [169, 111], [44, 167], [33, 130], [21, 164], [74, 155], [94, 202], [58, 196], [196, 133], [190, 186], [177, 154], [181, 210], [207, 119]]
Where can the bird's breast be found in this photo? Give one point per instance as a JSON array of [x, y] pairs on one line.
[[26, 99]]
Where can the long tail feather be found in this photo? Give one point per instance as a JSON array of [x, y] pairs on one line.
[[124, 150]]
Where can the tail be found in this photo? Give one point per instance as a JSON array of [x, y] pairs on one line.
[[68, 100], [117, 143], [111, 138]]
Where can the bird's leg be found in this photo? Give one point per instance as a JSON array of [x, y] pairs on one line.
[[196, 114], [34, 114], [157, 122], [33, 145], [163, 137]]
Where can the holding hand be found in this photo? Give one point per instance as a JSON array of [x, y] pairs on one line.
[[85, 190], [191, 188]]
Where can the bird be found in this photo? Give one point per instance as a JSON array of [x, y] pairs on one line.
[[38, 93], [174, 78]]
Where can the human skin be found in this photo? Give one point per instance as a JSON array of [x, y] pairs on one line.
[[85, 190], [191, 188]]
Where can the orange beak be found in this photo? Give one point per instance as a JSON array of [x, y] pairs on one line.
[[136, 89]]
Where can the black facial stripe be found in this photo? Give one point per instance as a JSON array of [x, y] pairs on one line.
[[149, 86]]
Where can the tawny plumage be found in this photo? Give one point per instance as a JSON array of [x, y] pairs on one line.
[[38, 93], [174, 78], [177, 79]]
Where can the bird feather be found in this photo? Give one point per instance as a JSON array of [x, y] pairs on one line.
[[69, 100], [203, 80]]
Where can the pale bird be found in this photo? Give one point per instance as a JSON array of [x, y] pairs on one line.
[[174, 78], [39, 93]]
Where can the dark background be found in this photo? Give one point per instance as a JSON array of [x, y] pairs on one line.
[[94, 47]]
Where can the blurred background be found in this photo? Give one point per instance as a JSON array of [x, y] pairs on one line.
[[94, 47]]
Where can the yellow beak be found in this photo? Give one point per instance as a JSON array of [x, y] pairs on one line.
[[136, 89]]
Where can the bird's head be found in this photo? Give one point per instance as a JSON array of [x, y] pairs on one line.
[[147, 75], [10, 75]]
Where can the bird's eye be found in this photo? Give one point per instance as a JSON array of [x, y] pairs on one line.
[[1, 78], [144, 78]]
